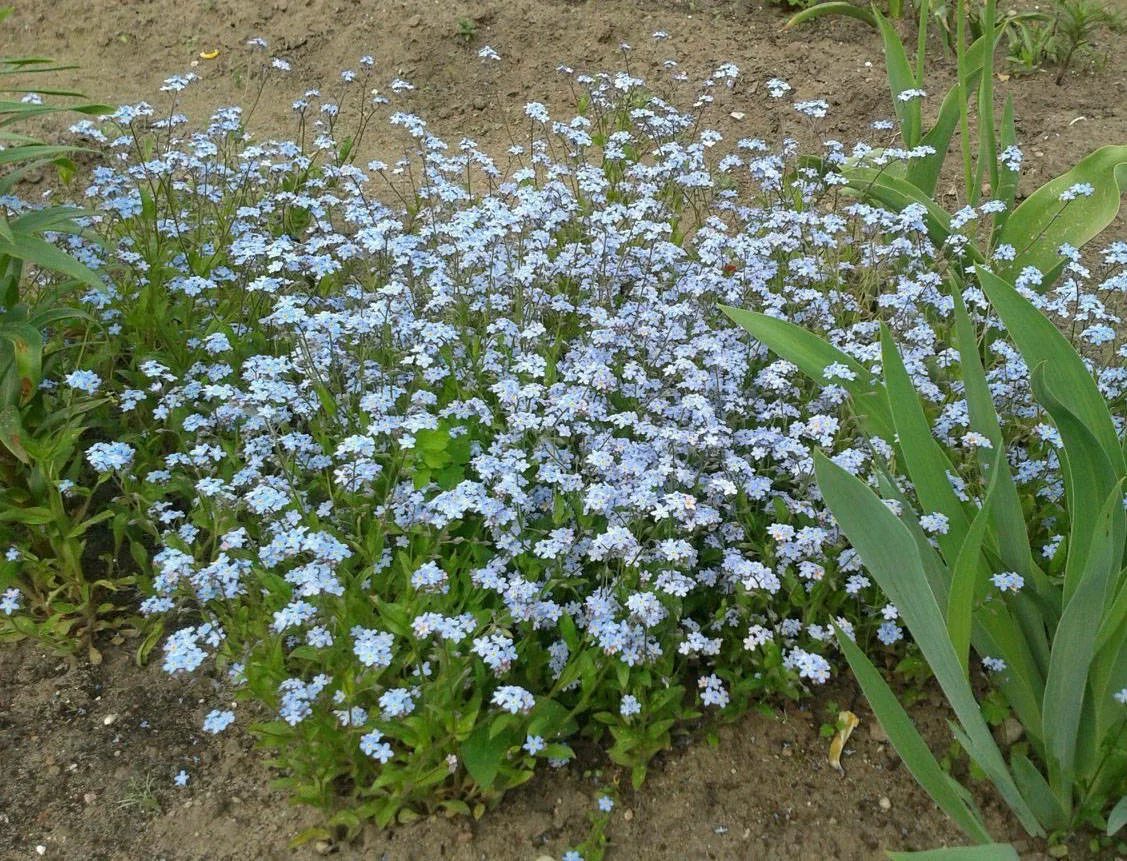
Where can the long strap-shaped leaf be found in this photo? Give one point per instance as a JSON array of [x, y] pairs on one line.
[[1040, 342], [890, 555], [1044, 222], [910, 746], [813, 355], [928, 465]]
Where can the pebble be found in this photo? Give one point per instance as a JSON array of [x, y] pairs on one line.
[[885, 803], [1011, 730], [108, 720]]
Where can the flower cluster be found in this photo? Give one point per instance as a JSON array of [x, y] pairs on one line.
[[448, 455]]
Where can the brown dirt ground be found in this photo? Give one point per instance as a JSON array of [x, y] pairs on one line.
[[73, 748], [77, 741]]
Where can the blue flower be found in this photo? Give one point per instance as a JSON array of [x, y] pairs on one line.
[[217, 721]]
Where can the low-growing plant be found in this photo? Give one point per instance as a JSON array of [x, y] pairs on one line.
[[1061, 36], [446, 462], [446, 475]]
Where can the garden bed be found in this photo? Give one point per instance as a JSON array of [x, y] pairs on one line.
[[89, 752]]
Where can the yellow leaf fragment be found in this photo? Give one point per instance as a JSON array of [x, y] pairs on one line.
[[846, 723], [209, 55]]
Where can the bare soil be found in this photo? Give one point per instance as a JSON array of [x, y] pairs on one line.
[[87, 753]]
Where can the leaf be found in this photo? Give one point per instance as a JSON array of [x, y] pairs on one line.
[[47, 256], [832, 8], [1037, 792], [924, 172], [1118, 817], [1007, 179], [1074, 646], [1040, 342], [12, 434], [900, 78], [1009, 519], [908, 742], [483, 753], [926, 461], [896, 194], [985, 852], [889, 553], [27, 349], [965, 579], [1042, 223], [1088, 479], [813, 355]]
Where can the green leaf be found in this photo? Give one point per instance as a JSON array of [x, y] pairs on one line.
[[1009, 519], [832, 8], [482, 753], [900, 78], [926, 461], [27, 349], [965, 579], [47, 256], [909, 744], [1117, 818], [985, 852], [896, 193], [1040, 342], [12, 434], [1007, 179], [1042, 223], [813, 355], [1088, 478], [924, 172], [890, 555], [1037, 792], [1074, 646]]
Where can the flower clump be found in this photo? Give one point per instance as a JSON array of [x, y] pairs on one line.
[[450, 459]]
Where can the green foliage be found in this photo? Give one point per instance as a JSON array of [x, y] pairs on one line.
[[39, 430], [1060, 36], [1062, 639]]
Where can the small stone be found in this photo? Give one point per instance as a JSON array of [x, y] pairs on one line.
[[414, 21], [737, 115], [323, 847], [108, 720], [628, 814], [89, 797], [876, 732], [885, 803], [40, 849], [1011, 730]]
